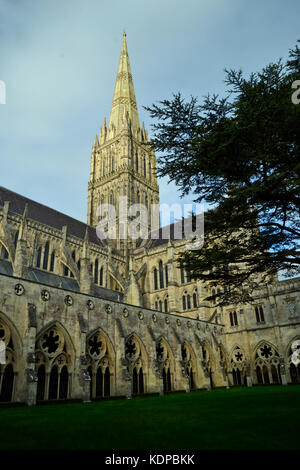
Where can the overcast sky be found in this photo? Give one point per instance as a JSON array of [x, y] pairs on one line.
[[59, 61]]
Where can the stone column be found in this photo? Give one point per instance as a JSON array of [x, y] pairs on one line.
[[282, 371], [248, 374], [31, 377]]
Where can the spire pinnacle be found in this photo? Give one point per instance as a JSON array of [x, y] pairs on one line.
[[124, 96]]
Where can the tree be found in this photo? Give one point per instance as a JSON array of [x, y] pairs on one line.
[[241, 154]]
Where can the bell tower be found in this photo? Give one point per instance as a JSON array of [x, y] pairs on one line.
[[122, 161]]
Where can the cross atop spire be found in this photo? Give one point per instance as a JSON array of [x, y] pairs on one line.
[[124, 97]]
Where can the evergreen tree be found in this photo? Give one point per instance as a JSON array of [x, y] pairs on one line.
[[241, 154]]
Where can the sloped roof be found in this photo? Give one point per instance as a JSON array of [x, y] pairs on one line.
[[47, 216]]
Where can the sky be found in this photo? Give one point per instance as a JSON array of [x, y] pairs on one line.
[[59, 61]]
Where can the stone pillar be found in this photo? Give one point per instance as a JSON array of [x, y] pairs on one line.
[[282, 371], [31, 377], [248, 374], [86, 384]]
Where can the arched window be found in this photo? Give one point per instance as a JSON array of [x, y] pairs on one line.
[[96, 272], [161, 275], [53, 383], [262, 318], [106, 382], [136, 162], [166, 274], [166, 304], [52, 259], [188, 276], [259, 313], [188, 298], [41, 375], [63, 382], [160, 305], [182, 275], [144, 163], [155, 279], [7, 384], [46, 256], [235, 318], [195, 300], [38, 259], [101, 277], [99, 382], [183, 302], [150, 176], [231, 318]]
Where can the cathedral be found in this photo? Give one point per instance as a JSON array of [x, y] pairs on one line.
[[85, 317]]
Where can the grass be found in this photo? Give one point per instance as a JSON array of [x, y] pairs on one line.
[[239, 418]]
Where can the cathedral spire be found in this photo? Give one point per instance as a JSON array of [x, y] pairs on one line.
[[124, 96]]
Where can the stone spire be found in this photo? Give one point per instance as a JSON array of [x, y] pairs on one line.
[[124, 96]]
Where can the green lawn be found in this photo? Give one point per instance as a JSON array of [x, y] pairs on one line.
[[239, 418]]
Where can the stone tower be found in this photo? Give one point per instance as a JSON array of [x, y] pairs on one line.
[[122, 162]]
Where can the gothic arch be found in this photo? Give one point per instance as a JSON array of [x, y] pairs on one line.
[[189, 365], [136, 359], [238, 365], [101, 363], [266, 363], [55, 358], [224, 357], [165, 363], [208, 361]]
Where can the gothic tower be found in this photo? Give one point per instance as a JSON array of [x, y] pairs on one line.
[[122, 162]]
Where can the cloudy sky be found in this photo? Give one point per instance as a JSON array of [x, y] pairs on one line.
[[59, 60]]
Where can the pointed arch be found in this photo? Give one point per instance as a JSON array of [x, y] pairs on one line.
[[266, 363], [137, 362], [101, 360], [55, 360], [190, 364], [166, 363]]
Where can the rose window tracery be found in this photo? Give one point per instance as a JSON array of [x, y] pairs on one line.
[[52, 343]]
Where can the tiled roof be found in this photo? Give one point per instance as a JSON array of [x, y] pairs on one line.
[[47, 216]]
